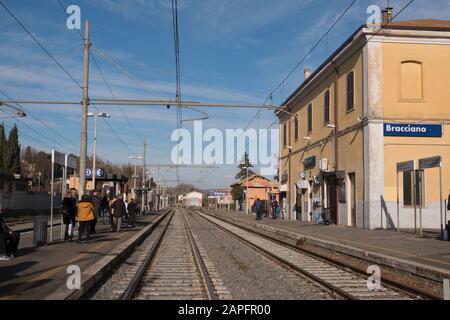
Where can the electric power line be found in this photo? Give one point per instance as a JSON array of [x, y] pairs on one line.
[[109, 87], [39, 43], [113, 95], [176, 39], [40, 121], [107, 58], [37, 132], [30, 138], [311, 50], [269, 98], [363, 44]]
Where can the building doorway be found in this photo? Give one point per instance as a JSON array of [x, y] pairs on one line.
[[352, 181], [299, 204], [331, 204]]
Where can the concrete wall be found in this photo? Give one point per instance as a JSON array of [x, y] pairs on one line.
[[431, 216]]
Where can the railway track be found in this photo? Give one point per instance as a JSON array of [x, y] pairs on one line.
[[343, 282], [174, 267]]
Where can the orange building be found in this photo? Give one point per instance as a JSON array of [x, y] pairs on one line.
[[259, 187]]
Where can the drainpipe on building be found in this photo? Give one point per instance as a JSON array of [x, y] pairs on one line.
[[336, 134]]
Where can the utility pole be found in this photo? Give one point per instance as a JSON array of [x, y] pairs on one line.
[[94, 161], [83, 142], [144, 175]]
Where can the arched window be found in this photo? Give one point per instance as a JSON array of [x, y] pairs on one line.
[[411, 80]]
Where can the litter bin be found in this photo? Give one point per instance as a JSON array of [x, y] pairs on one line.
[[40, 230]]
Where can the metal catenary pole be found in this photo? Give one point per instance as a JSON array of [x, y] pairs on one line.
[[52, 191], [143, 174], [94, 161], [134, 180], [246, 195], [83, 142], [63, 191]]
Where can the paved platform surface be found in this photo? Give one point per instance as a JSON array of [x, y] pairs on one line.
[[426, 250], [37, 272]]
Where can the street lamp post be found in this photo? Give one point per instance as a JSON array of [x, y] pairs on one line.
[[94, 161]]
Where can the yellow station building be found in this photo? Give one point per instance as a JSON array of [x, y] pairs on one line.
[[382, 98]]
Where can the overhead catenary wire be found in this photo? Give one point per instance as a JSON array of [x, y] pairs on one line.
[[168, 73], [361, 46], [107, 58], [40, 121], [281, 85], [176, 39], [62, 6], [113, 95], [30, 138], [19, 65], [47, 145], [40, 44]]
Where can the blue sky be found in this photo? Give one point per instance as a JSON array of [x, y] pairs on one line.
[[232, 51]]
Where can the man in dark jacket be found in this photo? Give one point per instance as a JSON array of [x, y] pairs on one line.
[[132, 211], [258, 208], [9, 240], [118, 211]]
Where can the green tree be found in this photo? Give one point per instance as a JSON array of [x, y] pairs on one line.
[[242, 174], [2, 148], [237, 192], [12, 154]]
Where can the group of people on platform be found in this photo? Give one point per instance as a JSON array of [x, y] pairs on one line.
[[273, 211], [90, 209]]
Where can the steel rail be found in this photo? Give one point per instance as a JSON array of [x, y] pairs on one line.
[[411, 292], [201, 264], [132, 287]]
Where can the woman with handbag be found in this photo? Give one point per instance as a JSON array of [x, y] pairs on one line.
[[68, 211]]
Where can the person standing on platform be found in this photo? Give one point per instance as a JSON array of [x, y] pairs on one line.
[[9, 240], [68, 210], [104, 209], [85, 216], [258, 208], [96, 202], [132, 211], [111, 213], [119, 211]]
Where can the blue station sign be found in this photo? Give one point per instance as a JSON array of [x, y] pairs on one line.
[[310, 162], [412, 130]]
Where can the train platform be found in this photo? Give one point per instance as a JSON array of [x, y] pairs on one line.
[[424, 256], [39, 271]]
